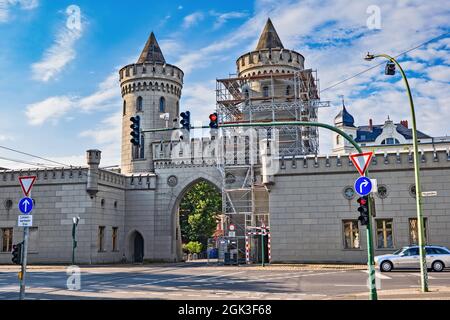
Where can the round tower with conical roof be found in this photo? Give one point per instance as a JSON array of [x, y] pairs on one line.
[[150, 88], [270, 56]]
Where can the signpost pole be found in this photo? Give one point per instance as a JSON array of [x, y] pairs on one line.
[[26, 233], [24, 262], [26, 184]]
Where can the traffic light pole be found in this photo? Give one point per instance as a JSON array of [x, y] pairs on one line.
[[370, 255], [420, 220]]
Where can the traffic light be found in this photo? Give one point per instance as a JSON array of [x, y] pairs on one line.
[[389, 70], [185, 120], [136, 130], [363, 210], [214, 121], [17, 253]]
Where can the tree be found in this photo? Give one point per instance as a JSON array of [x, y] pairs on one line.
[[198, 213], [193, 247]]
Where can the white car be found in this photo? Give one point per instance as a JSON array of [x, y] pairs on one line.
[[438, 258]]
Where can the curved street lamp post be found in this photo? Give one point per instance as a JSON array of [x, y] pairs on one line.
[[420, 222]]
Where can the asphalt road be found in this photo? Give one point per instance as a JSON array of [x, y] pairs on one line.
[[195, 281]]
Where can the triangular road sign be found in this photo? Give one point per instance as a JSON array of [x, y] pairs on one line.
[[361, 161], [27, 183]]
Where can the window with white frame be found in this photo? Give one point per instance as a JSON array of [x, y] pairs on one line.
[[384, 233], [351, 234]]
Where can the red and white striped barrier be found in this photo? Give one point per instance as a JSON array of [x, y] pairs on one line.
[[257, 233]]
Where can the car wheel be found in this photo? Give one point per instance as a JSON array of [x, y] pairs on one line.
[[386, 266], [438, 266]]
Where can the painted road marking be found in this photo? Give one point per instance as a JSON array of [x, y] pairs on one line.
[[378, 275], [419, 275], [179, 278], [350, 285], [221, 276]]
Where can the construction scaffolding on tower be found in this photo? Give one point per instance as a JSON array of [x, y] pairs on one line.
[[267, 97]]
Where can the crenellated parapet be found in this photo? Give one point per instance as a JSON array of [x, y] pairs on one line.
[[151, 77], [140, 181], [45, 176], [380, 162], [266, 61], [176, 154]]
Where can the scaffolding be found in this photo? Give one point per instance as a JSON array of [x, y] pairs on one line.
[[261, 98]]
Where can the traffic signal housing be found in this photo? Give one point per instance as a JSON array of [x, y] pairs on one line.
[[389, 70], [185, 120], [214, 121], [363, 210], [17, 253], [135, 130]]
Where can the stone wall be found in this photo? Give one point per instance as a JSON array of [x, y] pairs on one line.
[[307, 205]]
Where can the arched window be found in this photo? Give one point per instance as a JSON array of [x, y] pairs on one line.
[[124, 107], [288, 90], [246, 93], [139, 103], [265, 91], [338, 139], [162, 104]]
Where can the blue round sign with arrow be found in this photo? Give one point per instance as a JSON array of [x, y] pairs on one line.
[[26, 205], [363, 186]]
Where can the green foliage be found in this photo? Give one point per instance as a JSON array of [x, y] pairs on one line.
[[193, 247], [198, 213]]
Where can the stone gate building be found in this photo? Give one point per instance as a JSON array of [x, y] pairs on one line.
[[132, 215]]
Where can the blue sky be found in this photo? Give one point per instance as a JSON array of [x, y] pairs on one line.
[[59, 87]]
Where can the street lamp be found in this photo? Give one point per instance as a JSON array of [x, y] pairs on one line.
[[75, 221], [420, 227]]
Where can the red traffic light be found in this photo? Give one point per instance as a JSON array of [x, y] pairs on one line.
[[362, 201], [213, 117]]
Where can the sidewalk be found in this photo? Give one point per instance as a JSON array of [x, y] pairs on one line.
[[436, 293], [197, 264]]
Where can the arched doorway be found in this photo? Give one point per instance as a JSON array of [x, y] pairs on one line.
[[137, 244], [197, 212]]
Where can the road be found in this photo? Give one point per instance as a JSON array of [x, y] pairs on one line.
[[195, 281]]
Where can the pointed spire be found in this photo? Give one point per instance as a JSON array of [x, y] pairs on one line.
[[269, 38], [152, 52]]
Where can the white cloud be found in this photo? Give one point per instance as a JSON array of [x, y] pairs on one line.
[[105, 97], [222, 18], [5, 7], [192, 19], [439, 73], [52, 109], [59, 55], [109, 132]]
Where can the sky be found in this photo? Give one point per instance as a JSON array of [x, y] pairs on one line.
[[59, 62]]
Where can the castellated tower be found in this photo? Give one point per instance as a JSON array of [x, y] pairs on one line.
[[273, 85], [150, 88]]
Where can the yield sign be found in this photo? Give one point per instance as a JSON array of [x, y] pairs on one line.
[[361, 161], [27, 183]]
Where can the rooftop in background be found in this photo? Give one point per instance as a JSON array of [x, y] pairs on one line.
[[370, 133]]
